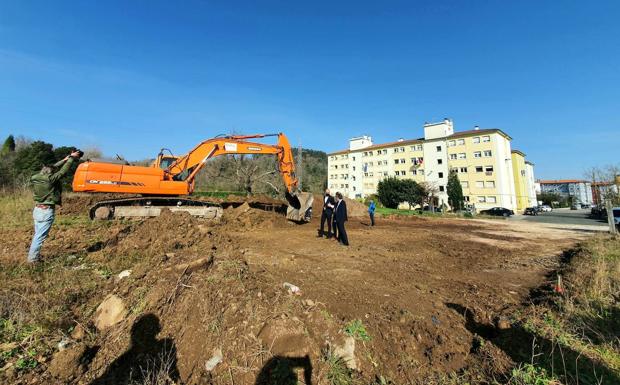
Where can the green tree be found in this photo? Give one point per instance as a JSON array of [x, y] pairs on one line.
[[30, 159], [8, 146], [390, 192], [455, 191], [412, 192]]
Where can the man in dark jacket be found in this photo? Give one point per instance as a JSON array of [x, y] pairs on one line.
[[341, 217], [326, 215], [47, 192]]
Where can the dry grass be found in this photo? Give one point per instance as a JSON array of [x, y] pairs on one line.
[[15, 208]]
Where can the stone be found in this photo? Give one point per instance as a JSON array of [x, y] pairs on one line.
[[78, 332], [214, 360], [503, 323], [347, 352], [123, 274], [110, 312]]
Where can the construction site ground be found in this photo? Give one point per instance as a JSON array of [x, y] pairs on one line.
[[411, 300]]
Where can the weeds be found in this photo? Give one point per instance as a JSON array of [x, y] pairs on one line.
[[337, 371], [357, 330], [529, 374]]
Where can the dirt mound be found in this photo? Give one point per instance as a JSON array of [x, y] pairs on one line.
[[354, 208], [246, 217], [80, 203]]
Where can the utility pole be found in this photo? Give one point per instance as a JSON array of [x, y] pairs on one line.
[[299, 164], [610, 217]]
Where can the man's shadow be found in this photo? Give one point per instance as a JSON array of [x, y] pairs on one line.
[[280, 370], [147, 358]]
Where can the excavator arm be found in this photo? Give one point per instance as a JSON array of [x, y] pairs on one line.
[[186, 167]]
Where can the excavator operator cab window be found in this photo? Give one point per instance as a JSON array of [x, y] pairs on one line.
[[166, 161]]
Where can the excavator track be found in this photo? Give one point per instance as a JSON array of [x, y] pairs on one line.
[[144, 207]]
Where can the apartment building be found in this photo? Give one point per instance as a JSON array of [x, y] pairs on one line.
[[481, 157], [580, 190]]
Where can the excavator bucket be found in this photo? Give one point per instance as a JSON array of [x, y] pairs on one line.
[[300, 206]]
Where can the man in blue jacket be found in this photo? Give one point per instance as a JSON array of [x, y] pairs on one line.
[[340, 215], [371, 212]]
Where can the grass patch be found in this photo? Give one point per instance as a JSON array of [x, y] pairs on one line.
[[577, 333], [337, 371]]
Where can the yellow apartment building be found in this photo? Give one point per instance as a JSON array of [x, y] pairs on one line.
[[481, 157]]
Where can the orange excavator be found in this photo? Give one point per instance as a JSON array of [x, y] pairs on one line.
[[170, 179]]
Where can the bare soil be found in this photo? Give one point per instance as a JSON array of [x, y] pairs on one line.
[[416, 284]]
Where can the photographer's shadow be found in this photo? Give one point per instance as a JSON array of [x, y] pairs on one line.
[[280, 370], [146, 359]]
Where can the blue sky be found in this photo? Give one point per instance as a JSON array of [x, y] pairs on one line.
[[133, 76]]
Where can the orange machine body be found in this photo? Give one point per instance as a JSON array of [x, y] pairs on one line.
[[178, 177]]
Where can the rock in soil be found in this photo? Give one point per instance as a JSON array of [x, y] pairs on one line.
[[110, 312]]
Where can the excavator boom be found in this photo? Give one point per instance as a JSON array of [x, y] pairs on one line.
[[177, 177]]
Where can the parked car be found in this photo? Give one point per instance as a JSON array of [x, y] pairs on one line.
[[616, 211], [545, 208], [531, 211], [498, 211]]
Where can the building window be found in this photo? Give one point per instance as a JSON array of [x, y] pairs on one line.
[[418, 147], [479, 184], [385, 173], [402, 160], [489, 184], [335, 166], [486, 138], [451, 143], [454, 169], [465, 184], [353, 158], [421, 172], [378, 152], [438, 148], [481, 200], [462, 155], [365, 174], [476, 139], [441, 188], [460, 142], [395, 150], [346, 186], [479, 169], [439, 161], [453, 156], [353, 188], [477, 154], [488, 170], [487, 153], [414, 172], [353, 168], [491, 199], [395, 161], [402, 149], [466, 198], [440, 174], [385, 151], [353, 177], [463, 169]]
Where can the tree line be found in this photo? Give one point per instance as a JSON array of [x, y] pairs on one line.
[[20, 158]]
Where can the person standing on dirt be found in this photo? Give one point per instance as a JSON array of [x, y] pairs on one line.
[[47, 192], [326, 215], [341, 217], [371, 212]]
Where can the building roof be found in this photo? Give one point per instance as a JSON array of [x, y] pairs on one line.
[[515, 151], [481, 131], [595, 184], [562, 181], [531, 163]]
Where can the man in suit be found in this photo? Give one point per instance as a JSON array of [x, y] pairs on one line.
[[328, 210], [341, 217]]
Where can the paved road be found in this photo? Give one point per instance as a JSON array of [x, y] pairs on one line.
[[565, 218]]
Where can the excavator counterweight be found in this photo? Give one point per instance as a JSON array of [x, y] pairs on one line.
[[167, 182]]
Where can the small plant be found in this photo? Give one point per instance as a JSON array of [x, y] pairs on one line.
[[28, 361], [357, 330], [529, 374], [337, 371]]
